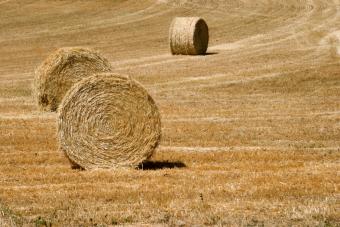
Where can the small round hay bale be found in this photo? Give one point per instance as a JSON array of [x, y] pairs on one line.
[[63, 68], [188, 36], [108, 121]]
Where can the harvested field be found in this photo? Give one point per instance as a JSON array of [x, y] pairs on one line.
[[250, 131]]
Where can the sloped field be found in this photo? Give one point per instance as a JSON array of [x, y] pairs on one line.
[[251, 131]]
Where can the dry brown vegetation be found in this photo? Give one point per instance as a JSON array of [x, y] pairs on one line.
[[251, 131]]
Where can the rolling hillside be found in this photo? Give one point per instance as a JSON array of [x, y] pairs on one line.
[[251, 131]]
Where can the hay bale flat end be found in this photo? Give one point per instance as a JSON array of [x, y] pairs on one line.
[[108, 121], [61, 70]]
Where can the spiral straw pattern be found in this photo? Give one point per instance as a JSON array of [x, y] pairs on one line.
[[55, 76], [108, 121], [188, 36]]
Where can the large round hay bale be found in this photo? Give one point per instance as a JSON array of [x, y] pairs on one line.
[[188, 36], [108, 121], [63, 68]]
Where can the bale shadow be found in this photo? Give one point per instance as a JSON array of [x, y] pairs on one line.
[[73, 165], [210, 53], [155, 165], [147, 165], [76, 167]]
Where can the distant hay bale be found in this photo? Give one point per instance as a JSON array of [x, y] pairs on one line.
[[61, 70], [108, 121], [188, 36]]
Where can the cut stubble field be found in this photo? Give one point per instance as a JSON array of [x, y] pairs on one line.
[[250, 131]]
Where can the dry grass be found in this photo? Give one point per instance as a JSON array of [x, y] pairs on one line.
[[268, 100]]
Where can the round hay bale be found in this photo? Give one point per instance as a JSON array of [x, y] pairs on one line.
[[63, 68], [188, 36], [108, 121]]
